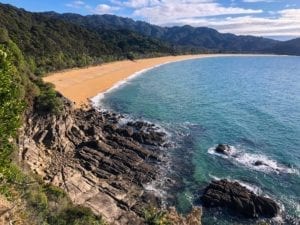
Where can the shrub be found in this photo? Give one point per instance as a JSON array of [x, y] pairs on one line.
[[54, 193], [76, 215], [154, 216], [130, 56], [38, 199], [48, 100]]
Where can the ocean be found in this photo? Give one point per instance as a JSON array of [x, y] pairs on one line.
[[251, 103]]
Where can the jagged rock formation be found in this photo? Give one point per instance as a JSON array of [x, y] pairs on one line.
[[234, 196], [99, 160]]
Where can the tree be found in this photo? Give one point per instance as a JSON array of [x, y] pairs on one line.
[[11, 104]]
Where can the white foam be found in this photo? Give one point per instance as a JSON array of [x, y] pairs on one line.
[[255, 189], [230, 154], [96, 101], [214, 177], [251, 187], [189, 197], [249, 160], [269, 165], [152, 187]]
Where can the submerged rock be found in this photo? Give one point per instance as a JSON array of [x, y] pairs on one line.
[[223, 149], [234, 196]]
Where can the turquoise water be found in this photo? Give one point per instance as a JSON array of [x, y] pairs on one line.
[[250, 103]]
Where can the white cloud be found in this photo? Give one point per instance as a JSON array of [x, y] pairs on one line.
[[105, 9], [291, 13], [76, 4], [135, 4], [171, 10], [99, 9], [254, 1], [286, 24], [208, 13]]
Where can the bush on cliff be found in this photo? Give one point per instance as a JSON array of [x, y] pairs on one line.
[[155, 216], [48, 100]]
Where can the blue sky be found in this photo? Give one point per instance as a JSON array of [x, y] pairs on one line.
[[278, 19]]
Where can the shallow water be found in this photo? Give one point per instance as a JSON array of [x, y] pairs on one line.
[[250, 103]]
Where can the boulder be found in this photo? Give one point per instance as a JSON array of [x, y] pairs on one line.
[[223, 149], [239, 199]]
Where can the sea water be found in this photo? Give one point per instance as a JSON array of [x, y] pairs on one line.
[[251, 103]]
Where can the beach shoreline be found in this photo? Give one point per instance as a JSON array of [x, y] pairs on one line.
[[81, 85]]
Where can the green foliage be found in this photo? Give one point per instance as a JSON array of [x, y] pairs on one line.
[[11, 106], [48, 100], [130, 56], [76, 215], [54, 44], [4, 38], [54, 193], [154, 216], [50, 205], [38, 200]]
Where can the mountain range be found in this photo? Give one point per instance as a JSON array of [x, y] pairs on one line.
[[187, 36]]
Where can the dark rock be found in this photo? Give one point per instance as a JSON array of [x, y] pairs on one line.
[[223, 149], [260, 163], [127, 132], [110, 127], [139, 125], [233, 196]]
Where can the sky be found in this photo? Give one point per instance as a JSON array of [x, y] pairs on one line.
[[279, 19]]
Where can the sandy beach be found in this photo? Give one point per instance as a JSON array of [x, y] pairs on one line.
[[80, 85]]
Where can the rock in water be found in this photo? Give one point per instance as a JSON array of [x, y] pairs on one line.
[[259, 163], [223, 149], [234, 196]]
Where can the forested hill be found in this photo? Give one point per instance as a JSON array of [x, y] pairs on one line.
[[291, 47], [54, 44], [188, 36], [185, 36]]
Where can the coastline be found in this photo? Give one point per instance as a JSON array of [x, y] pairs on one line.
[[81, 85]]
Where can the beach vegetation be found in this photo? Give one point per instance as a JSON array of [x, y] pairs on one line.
[[130, 56]]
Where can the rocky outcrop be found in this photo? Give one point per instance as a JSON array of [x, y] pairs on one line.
[[100, 160], [233, 196]]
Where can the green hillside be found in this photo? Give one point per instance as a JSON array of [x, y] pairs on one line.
[[52, 44]]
